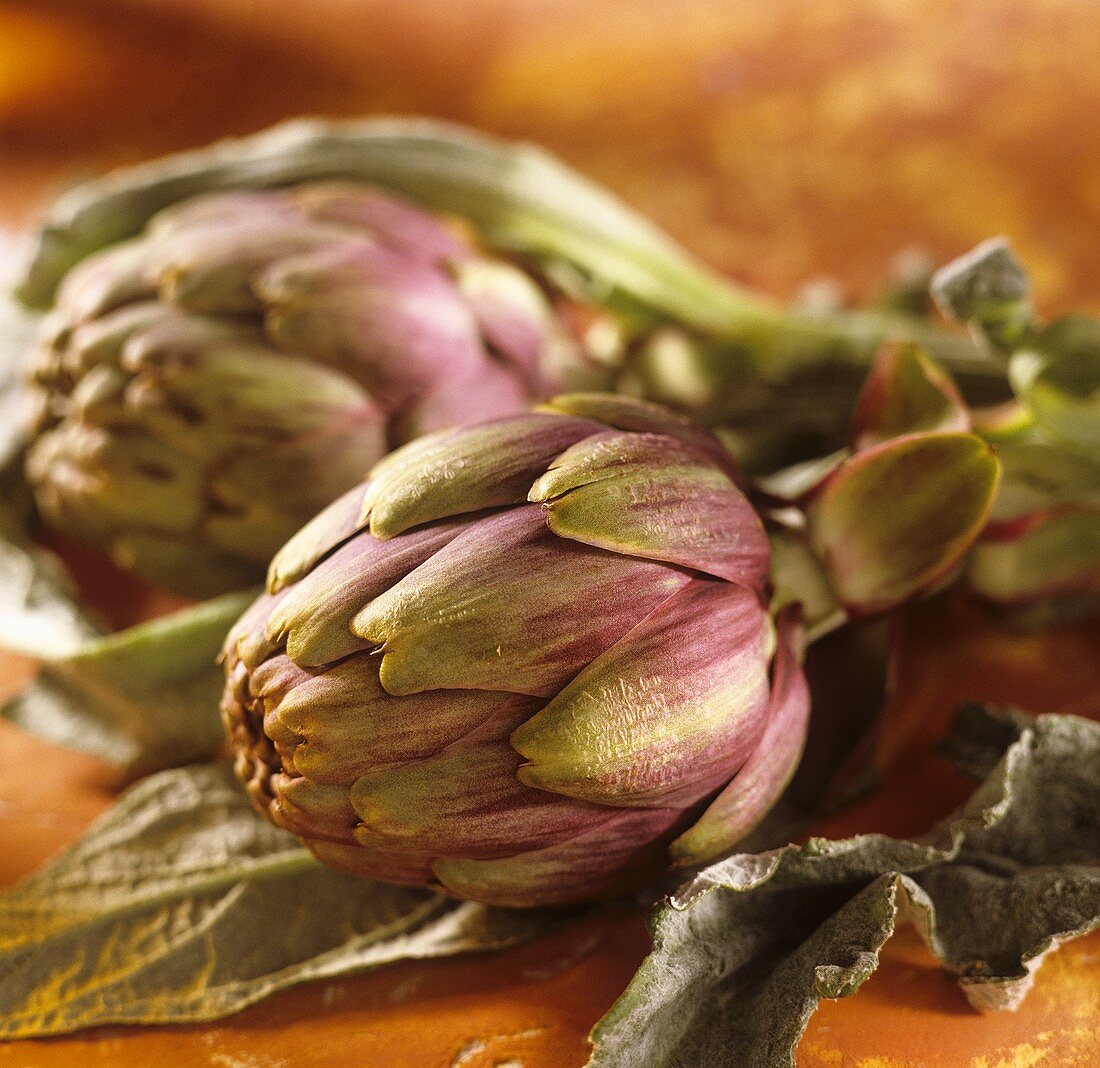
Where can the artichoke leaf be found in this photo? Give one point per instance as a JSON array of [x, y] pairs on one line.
[[745, 951], [895, 519], [906, 392], [145, 698], [164, 913]]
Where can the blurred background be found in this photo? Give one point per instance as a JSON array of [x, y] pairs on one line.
[[782, 140]]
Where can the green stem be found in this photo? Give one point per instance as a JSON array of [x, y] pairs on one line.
[[792, 339]]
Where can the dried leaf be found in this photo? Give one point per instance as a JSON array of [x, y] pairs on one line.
[[182, 904], [743, 954]]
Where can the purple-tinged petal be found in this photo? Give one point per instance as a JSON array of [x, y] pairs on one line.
[[488, 392], [394, 324], [651, 495], [513, 314], [274, 679], [468, 802], [116, 276], [101, 340], [235, 705], [371, 862], [255, 508], [664, 716], [226, 208], [94, 481], [312, 810], [764, 776], [328, 530], [611, 859], [509, 606], [247, 641], [233, 387], [643, 417], [896, 518], [212, 269], [905, 393], [313, 620], [340, 724], [393, 221], [452, 472]]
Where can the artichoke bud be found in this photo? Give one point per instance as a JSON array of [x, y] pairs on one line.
[[204, 388], [522, 661], [989, 289], [545, 659]]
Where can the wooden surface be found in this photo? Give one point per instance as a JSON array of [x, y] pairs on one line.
[[781, 140]]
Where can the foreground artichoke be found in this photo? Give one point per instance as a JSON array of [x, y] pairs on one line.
[[205, 388], [533, 662]]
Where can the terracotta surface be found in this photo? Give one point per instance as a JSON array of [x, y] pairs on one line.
[[781, 140]]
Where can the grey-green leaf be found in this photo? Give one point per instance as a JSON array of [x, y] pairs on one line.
[[743, 954], [182, 904], [145, 698]]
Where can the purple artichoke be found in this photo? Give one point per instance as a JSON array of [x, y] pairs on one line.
[[529, 662], [541, 660], [205, 388]]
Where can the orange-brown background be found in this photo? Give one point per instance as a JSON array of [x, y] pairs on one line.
[[782, 140]]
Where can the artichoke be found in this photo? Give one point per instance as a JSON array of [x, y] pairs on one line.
[[534, 662], [236, 334], [203, 389]]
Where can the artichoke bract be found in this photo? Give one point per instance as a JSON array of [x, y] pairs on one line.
[[203, 389], [522, 660]]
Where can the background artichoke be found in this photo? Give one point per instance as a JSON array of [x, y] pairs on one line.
[[533, 661], [205, 388]]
